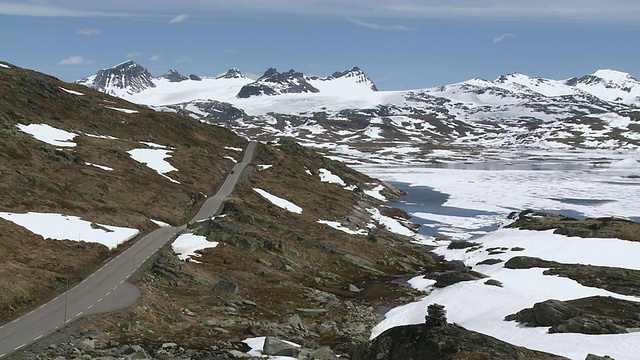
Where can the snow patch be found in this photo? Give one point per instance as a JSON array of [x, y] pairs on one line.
[[127, 111], [328, 176], [336, 225], [375, 193], [187, 245], [154, 159], [71, 91], [66, 227], [106, 168], [280, 202], [49, 134], [390, 224], [160, 223]]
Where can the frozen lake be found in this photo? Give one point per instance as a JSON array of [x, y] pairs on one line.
[[471, 200]]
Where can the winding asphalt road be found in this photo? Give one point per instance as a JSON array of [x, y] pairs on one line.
[[106, 289]]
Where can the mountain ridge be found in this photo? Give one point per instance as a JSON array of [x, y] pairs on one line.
[[348, 119]]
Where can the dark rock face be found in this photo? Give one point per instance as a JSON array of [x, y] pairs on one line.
[[232, 73], [428, 342], [274, 83], [128, 75], [216, 111], [592, 315], [255, 89], [174, 76], [195, 77]]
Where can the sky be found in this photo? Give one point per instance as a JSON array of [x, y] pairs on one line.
[[400, 44]]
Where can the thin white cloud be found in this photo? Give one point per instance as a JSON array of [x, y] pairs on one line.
[[178, 19], [134, 54], [45, 10], [591, 10], [89, 32], [503, 37], [74, 60], [374, 26], [155, 58]]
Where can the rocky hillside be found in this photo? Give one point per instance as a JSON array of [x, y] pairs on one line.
[[316, 276]]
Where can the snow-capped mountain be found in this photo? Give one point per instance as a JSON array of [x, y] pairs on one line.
[[276, 83], [345, 114], [125, 78]]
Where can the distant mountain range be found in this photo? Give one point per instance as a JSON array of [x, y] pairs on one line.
[[346, 115]]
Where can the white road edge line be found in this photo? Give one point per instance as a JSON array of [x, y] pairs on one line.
[[80, 313], [37, 338], [107, 294], [90, 306], [19, 347], [99, 300]]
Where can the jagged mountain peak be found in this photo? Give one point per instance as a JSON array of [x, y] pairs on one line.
[[276, 83], [357, 74], [174, 76], [127, 76], [232, 73]]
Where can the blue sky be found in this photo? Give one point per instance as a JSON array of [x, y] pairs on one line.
[[400, 44]]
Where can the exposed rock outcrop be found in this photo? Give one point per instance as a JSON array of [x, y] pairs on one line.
[[438, 340]]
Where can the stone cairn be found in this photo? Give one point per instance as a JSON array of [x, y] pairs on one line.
[[436, 315]]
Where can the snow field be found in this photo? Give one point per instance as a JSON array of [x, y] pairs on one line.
[[522, 289], [65, 227]]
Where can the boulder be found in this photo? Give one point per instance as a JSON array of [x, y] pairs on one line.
[[276, 347], [547, 313], [226, 288], [293, 320], [527, 262], [85, 345], [323, 353]]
